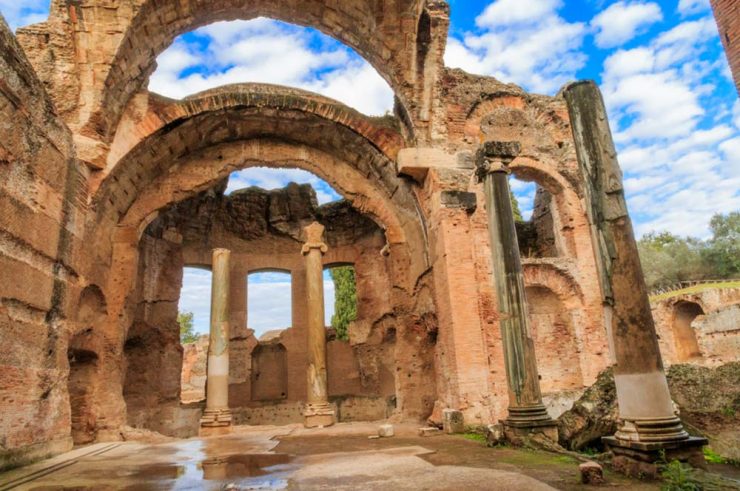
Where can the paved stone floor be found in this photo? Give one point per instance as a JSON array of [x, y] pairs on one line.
[[291, 457]]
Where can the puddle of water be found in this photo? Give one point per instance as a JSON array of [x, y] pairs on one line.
[[248, 471]]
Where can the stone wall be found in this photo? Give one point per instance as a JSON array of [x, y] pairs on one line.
[[263, 230], [41, 202], [148, 200], [701, 328], [727, 13]]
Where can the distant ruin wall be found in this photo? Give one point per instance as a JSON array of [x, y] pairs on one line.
[[701, 328]]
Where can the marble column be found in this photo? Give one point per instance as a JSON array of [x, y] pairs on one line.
[[217, 413], [648, 422], [318, 412], [526, 411]]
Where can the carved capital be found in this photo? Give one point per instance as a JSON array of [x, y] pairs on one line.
[[314, 238], [495, 156]]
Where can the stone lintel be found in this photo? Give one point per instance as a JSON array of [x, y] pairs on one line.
[[416, 162]]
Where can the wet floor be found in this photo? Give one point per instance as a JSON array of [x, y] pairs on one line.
[[291, 457]]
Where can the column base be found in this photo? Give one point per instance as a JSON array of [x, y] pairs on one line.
[[318, 415], [216, 418], [643, 459], [527, 421], [652, 430]]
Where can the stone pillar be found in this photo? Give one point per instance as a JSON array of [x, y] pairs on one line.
[[217, 413], [648, 423], [318, 412], [526, 412]]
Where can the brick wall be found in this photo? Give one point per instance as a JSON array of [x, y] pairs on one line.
[[727, 13]]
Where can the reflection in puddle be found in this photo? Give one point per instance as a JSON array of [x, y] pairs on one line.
[[241, 466], [269, 469]]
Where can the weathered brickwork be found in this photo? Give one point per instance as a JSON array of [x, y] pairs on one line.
[[727, 13], [107, 191]]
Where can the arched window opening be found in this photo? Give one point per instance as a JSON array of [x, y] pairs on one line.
[[684, 336], [340, 296], [269, 375], [269, 301], [535, 213], [269, 51]]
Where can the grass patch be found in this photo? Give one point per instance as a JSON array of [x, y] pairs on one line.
[[713, 457], [695, 289], [678, 477], [476, 437]]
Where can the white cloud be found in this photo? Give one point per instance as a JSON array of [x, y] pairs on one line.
[[622, 21], [690, 7], [267, 51], [523, 41], [680, 160], [269, 178], [512, 12], [22, 13]]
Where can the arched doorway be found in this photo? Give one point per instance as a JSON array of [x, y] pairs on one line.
[[684, 336]]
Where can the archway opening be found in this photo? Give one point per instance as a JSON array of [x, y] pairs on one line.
[[84, 371], [536, 217], [684, 336]]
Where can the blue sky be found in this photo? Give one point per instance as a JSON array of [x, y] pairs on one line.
[[673, 106]]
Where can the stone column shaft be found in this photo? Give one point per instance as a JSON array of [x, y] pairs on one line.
[[217, 413], [318, 411], [525, 400], [645, 408]]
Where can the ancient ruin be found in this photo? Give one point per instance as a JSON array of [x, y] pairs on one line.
[[108, 191]]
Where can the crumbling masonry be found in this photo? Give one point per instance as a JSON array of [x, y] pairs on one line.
[[108, 190]]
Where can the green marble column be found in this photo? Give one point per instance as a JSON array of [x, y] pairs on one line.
[[526, 410]]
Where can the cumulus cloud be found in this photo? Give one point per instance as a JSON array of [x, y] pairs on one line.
[[681, 162], [268, 178], [690, 7], [522, 41], [22, 13], [268, 51], [622, 21]]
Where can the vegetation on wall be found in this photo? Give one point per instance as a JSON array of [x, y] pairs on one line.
[[345, 300], [187, 333], [668, 259]]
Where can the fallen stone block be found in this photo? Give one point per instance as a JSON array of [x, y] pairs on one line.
[[591, 473], [429, 431], [452, 421], [495, 435], [386, 431]]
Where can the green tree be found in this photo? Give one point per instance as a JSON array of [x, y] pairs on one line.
[[187, 334], [515, 208], [345, 300], [667, 259], [722, 251]]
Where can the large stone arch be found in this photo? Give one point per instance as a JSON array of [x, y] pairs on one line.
[[117, 42], [206, 138]]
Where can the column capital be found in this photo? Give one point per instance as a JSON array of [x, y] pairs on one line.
[[495, 156], [314, 238]]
